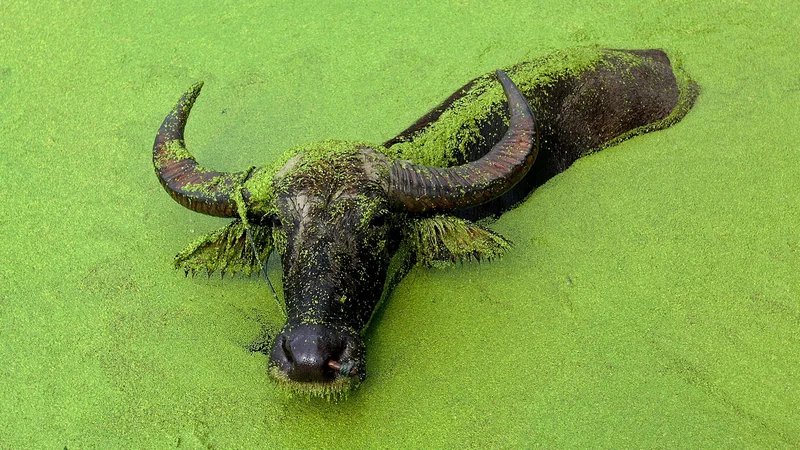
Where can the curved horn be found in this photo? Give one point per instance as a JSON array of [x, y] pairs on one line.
[[422, 188], [190, 184]]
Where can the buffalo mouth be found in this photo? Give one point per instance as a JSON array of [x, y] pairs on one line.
[[317, 360]]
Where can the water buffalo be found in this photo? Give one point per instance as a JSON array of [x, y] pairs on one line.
[[350, 218]]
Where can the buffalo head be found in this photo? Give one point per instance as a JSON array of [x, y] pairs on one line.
[[335, 212]]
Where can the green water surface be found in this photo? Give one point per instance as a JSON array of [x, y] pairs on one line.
[[651, 299]]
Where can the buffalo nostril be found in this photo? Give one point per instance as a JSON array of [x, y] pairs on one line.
[[286, 350]]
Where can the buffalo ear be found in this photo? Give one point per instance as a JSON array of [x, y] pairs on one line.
[[442, 240], [227, 250]]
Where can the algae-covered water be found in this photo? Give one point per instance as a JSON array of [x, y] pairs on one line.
[[651, 299]]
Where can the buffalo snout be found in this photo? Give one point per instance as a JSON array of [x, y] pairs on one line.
[[317, 353]]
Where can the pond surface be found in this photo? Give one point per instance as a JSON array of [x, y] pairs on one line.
[[651, 298]]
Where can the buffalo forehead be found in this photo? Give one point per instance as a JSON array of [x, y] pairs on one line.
[[354, 171]]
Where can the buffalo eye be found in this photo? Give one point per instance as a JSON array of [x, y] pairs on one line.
[[378, 221], [275, 221]]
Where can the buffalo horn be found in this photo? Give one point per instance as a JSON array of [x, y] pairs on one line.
[[419, 188], [190, 184]]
